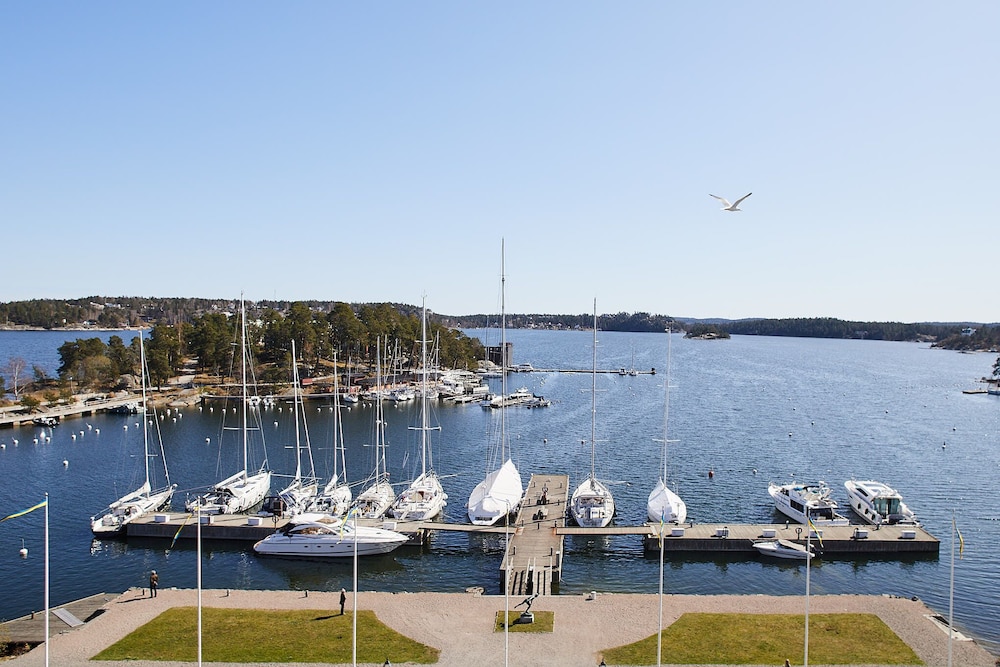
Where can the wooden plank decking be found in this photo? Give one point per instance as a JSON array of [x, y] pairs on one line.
[[535, 551]]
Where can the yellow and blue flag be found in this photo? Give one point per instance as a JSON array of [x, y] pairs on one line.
[[179, 529], [815, 530], [27, 511], [961, 542]]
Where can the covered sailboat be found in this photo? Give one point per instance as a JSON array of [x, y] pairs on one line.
[[143, 500], [663, 505], [500, 492], [592, 505]]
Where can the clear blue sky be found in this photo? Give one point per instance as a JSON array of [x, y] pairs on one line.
[[380, 151]]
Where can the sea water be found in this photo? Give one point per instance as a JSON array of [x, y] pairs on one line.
[[750, 410]]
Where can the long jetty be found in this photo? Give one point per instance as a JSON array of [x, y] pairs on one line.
[[533, 557], [60, 412]]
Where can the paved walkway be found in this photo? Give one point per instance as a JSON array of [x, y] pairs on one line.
[[461, 625]]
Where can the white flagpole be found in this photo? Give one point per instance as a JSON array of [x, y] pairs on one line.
[[506, 574], [951, 591], [659, 632], [46, 580], [199, 584], [805, 658]]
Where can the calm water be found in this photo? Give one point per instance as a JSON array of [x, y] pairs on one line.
[[752, 409]]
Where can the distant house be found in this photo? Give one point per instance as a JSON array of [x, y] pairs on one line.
[[968, 331]]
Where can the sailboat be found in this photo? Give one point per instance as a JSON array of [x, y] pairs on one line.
[[298, 495], [240, 492], [128, 508], [591, 504], [375, 500], [335, 499], [500, 493], [424, 498], [664, 505]]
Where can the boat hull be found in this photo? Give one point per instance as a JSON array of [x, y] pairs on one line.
[[665, 506], [330, 542], [592, 505], [877, 503], [782, 549], [496, 496], [807, 502]]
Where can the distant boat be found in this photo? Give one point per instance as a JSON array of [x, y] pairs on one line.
[[424, 498], [782, 549], [663, 505], [499, 494], [142, 501], [878, 503], [804, 502], [243, 491], [314, 539], [592, 505]]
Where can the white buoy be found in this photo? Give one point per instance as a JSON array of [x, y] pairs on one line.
[[125, 427], [90, 427], [48, 439], [24, 550], [97, 431], [65, 463], [174, 420], [137, 424], [81, 434], [73, 436], [168, 411], [275, 424], [207, 440], [35, 441], [15, 442], [3, 445]]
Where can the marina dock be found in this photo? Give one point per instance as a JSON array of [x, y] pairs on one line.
[[8, 420], [533, 557]]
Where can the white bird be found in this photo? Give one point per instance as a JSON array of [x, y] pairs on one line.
[[731, 207]]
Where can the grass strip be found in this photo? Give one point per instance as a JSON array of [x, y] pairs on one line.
[[768, 639], [544, 621], [262, 635]]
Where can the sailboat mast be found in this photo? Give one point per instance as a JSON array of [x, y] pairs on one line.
[[145, 419], [338, 446], [243, 361], [296, 404], [666, 408], [503, 353], [593, 404], [379, 426], [423, 388]]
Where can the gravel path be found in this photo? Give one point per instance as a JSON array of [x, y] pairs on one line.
[[460, 625]]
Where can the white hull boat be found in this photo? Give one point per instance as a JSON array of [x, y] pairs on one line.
[[376, 499], [663, 505], [298, 495], [424, 498], [782, 549], [805, 502], [313, 539], [335, 498], [500, 493], [592, 505], [878, 503], [241, 492], [144, 500]]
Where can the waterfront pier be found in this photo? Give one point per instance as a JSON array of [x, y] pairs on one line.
[[533, 558]]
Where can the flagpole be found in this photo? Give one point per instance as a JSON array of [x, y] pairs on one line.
[[46, 580], [199, 584], [659, 632], [354, 641], [805, 652], [951, 591]]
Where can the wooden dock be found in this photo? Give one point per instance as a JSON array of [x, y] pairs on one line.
[[8, 419], [533, 558], [30, 629]]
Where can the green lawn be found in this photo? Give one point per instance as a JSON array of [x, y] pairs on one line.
[[768, 639], [543, 622], [256, 635]]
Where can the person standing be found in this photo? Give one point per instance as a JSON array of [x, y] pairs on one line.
[[343, 600], [154, 582]]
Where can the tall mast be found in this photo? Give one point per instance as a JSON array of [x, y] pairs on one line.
[[593, 404], [296, 404], [423, 388], [243, 360], [503, 353], [666, 408], [145, 419]]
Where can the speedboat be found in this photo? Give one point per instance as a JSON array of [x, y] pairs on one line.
[[878, 503], [782, 549], [342, 539], [807, 502]]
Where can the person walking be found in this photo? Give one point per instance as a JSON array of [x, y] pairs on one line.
[[343, 600], [154, 582]]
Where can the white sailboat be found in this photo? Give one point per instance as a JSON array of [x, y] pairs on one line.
[[375, 500], [300, 492], [664, 505], [592, 505], [425, 497], [335, 498], [500, 493], [242, 491], [131, 506]]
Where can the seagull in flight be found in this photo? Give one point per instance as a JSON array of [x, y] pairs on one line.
[[726, 206]]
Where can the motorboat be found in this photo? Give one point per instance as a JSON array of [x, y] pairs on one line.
[[782, 549], [131, 506], [340, 539], [522, 396], [807, 502], [878, 503], [664, 505], [592, 505], [243, 491], [424, 498], [500, 493]]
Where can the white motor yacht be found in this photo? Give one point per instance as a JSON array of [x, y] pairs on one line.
[[878, 503], [805, 502], [314, 539]]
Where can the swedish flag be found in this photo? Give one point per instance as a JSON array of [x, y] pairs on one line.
[[27, 511]]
